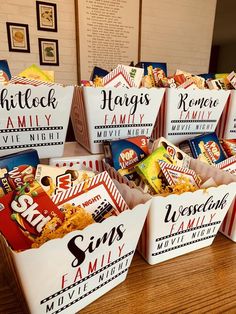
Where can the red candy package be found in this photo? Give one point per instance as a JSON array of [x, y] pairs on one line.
[[23, 214]]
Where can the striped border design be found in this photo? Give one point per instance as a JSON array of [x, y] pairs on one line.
[[115, 175], [228, 226], [22, 80], [120, 70], [223, 121], [166, 166], [78, 116], [227, 162], [103, 178]]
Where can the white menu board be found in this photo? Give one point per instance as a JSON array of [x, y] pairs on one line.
[[108, 32]]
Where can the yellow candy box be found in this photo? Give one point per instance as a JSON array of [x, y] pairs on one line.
[[150, 171]]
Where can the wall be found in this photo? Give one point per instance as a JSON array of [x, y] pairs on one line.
[[178, 32], [224, 37], [24, 11]]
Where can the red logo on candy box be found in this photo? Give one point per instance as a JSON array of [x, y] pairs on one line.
[[18, 176], [24, 214], [128, 157], [212, 150]]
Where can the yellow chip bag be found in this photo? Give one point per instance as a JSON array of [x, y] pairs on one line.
[[35, 73]]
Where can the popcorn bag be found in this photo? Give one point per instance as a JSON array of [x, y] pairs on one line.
[[227, 126], [100, 114], [178, 224], [66, 274], [187, 113], [34, 116]]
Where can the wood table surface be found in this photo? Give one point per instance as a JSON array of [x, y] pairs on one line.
[[198, 282]]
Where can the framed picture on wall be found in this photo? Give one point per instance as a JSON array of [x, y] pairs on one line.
[[46, 16], [18, 37], [48, 51]]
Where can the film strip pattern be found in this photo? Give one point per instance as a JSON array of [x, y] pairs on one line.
[[88, 184], [25, 81], [228, 226], [78, 117], [221, 127], [120, 70]]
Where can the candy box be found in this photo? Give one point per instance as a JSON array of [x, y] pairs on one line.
[[100, 114], [188, 113], [34, 117], [178, 224], [64, 275]]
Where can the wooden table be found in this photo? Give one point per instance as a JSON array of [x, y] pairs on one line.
[[198, 282]]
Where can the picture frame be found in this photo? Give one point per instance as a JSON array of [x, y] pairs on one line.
[[46, 16], [18, 37], [48, 51]]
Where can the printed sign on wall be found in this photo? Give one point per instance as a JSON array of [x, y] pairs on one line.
[[35, 117]]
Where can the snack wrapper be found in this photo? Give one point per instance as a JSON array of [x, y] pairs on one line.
[[150, 171], [229, 146], [35, 73], [58, 179], [24, 213]]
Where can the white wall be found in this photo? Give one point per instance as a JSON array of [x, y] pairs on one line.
[[24, 11], [178, 32]]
